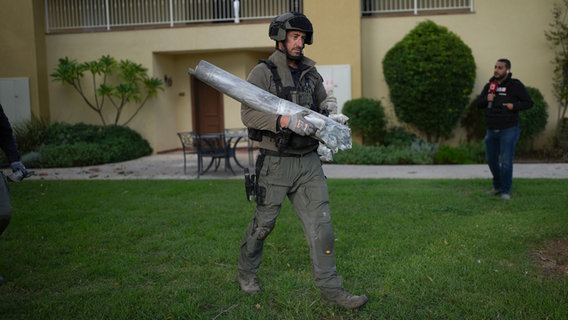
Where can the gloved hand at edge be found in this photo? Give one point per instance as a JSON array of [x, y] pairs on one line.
[[19, 171]]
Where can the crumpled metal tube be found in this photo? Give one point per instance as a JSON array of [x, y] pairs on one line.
[[333, 134]]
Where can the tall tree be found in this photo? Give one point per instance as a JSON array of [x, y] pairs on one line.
[[557, 35]]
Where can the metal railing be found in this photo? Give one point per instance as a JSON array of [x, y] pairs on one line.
[[68, 15], [370, 7]]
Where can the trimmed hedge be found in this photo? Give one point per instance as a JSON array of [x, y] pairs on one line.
[[81, 144]]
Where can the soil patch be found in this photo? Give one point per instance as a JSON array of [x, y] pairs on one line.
[[552, 260]]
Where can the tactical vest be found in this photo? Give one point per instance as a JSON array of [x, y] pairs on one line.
[[303, 94]]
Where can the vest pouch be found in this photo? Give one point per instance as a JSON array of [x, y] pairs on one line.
[[255, 134], [301, 142]]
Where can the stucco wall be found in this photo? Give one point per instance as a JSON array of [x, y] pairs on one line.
[[337, 35], [22, 49]]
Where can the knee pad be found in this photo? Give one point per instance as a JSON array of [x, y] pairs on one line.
[[262, 232], [324, 240]]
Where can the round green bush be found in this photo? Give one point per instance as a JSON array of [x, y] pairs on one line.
[[430, 74], [366, 118]]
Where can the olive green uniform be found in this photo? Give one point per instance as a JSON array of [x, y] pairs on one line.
[[293, 172]]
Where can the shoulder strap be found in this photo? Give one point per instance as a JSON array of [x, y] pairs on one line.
[[275, 76]]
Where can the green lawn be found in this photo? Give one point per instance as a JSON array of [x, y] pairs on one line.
[[420, 249]]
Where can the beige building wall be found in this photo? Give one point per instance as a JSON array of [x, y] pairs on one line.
[[337, 35], [511, 29], [22, 49]]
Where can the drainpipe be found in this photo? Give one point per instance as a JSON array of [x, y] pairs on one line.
[[236, 6], [107, 15]]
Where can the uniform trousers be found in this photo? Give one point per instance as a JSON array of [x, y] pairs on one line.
[[302, 180]]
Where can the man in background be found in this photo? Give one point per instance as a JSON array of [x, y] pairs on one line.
[[502, 98]]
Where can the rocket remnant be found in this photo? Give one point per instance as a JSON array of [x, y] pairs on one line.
[[333, 134]]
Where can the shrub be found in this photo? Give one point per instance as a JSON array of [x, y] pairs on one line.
[[533, 121], [30, 134], [430, 74], [451, 155], [474, 122], [398, 136], [83, 144], [562, 135], [72, 155], [366, 118], [417, 153], [475, 150]]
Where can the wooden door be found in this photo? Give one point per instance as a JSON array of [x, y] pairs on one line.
[[208, 115]]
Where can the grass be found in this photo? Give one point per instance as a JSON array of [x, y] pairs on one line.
[[420, 249]]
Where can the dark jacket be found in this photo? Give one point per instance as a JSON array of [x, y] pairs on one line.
[[509, 91], [7, 140]]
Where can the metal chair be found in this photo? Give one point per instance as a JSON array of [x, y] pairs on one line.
[[214, 146], [237, 138], [188, 141]]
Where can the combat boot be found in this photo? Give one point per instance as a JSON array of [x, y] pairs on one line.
[[249, 284], [343, 298]]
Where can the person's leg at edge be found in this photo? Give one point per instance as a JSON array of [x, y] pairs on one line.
[[508, 142], [492, 147], [311, 202], [5, 208]]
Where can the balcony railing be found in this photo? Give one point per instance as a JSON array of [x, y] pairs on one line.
[[372, 7], [81, 15], [70, 15]]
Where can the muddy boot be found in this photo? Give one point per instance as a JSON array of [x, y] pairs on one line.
[[249, 284], [343, 298]]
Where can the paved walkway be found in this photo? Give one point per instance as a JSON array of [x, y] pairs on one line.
[[170, 166]]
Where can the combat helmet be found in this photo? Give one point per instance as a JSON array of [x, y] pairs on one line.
[[290, 21]]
